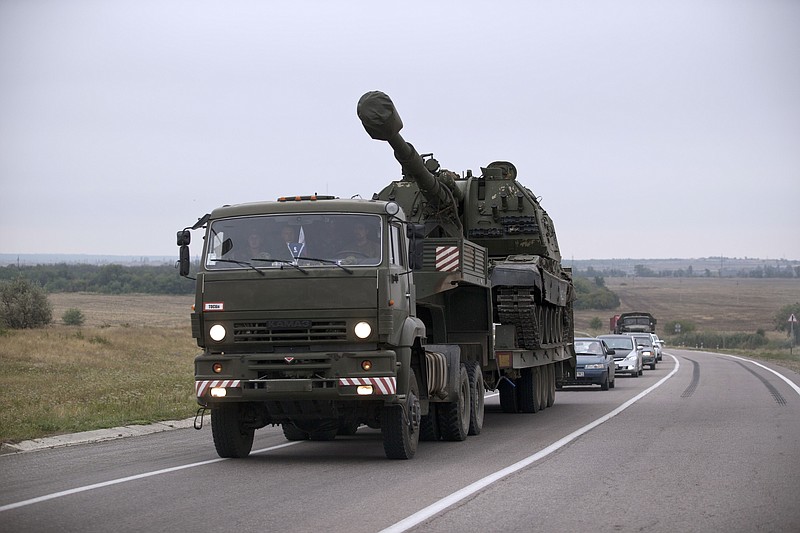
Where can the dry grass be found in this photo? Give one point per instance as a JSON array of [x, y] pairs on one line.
[[130, 363]]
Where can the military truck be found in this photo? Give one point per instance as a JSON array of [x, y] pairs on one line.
[[635, 322], [321, 314]]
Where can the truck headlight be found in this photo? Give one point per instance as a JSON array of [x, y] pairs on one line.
[[217, 332], [362, 330]]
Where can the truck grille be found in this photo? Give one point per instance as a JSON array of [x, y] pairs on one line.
[[318, 330]]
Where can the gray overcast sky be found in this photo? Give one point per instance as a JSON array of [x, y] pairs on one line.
[[650, 129]]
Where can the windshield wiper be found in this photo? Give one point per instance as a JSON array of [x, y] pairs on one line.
[[288, 262], [236, 262], [329, 262], [282, 262]]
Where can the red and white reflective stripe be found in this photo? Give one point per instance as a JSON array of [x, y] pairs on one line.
[[201, 387], [384, 385], [447, 258]]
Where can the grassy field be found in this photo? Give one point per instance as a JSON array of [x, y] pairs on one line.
[[131, 361]]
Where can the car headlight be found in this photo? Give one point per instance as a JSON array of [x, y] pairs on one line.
[[647, 353], [362, 330], [631, 356], [594, 365]]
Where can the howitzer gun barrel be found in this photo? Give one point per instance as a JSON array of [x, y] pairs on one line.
[[383, 123]]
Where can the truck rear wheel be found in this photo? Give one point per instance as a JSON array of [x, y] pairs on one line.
[[400, 424], [428, 425], [454, 416], [476, 408], [231, 437]]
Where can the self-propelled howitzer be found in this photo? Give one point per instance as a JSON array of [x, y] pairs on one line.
[[531, 292]]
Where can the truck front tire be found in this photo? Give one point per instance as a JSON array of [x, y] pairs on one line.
[[400, 424], [231, 438]]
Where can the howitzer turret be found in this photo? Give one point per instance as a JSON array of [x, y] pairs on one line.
[[531, 290]]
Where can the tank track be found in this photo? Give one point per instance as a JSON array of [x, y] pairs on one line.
[[537, 325]]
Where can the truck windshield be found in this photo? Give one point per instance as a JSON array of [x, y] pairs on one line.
[[272, 241]]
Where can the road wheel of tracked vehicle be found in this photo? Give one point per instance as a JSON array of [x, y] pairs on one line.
[[476, 389], [292, 432], [528, 391], [400, 424], [231, 437], [551, 384], [454, 416], [428, 425]]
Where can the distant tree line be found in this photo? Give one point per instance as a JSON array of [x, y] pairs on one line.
[[643, 271], [106, 279], [593, 294]]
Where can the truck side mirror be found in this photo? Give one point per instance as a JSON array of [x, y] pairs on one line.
[[183, 262], [415, 234], [184, 237]]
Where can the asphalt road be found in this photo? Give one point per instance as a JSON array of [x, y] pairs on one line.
[[703, 443]]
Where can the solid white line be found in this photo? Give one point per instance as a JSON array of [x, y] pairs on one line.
[[85, 488], [481, 484], [791, 383]]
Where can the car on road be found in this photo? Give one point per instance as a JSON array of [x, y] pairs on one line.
[[627, 356], [595, 364], [658, 344], [645, 343]]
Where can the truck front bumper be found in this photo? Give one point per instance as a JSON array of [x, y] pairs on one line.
[[367, 375]]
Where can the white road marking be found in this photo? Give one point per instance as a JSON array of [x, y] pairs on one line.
[[85, 488], [448, 501]]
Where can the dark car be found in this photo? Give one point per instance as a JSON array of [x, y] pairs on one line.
[[595, 364]]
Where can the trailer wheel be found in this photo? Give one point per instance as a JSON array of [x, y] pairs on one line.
[[400, 424], [454, 416], [231, 437], [292, 432], [551, 384], [528, 391], [476, 408], [508, 396], [540, 376]]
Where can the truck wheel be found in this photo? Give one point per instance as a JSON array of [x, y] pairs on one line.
[[551, 384], [454, 416], [292, 432], [528, 391], [231, 437], [428, 426], [400, 424], [475, 376], [508, 396], [540, 378]]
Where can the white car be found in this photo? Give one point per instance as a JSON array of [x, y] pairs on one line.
[[658, 344], [627, 356]]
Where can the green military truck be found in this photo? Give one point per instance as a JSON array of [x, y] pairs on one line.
[[321, 314]]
